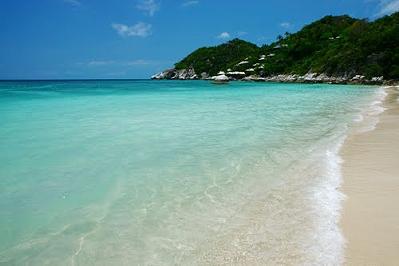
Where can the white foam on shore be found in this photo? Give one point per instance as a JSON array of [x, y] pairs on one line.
[[368, 119], [327, 195], [328, 241]]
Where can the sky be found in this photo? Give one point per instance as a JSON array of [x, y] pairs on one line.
[[103, 39]]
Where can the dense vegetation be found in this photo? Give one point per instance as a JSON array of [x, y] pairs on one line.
[[335, 45], [213, 59]]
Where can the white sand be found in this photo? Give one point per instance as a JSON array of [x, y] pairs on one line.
[[370, 220]]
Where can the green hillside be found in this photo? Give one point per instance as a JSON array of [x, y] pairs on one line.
[[335, 45], [213, 59]]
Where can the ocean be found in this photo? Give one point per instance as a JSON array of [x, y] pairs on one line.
[[175, 172]]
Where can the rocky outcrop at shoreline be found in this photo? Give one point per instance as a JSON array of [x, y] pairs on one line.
[[189, 74], [181, 74]]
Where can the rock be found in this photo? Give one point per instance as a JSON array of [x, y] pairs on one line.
[[377, 79], [358, 77], [173, 73], [185, 74], [307, 78], [204, 75], [310, 77], [221, 78], [167, 74], [348, 78], [323, 78]]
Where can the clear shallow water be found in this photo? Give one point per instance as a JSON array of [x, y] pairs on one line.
[[173, 173]]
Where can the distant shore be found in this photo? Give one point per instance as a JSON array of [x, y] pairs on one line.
[[189, 74], [370, 220]]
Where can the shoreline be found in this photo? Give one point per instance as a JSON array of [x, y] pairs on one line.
[[385, 83], [370, 220], [309, 78]]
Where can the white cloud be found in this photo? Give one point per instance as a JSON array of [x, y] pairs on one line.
[[388, 7], [148, 6], [73, 2], [190, 3], [285, 25], [224, 35], [140, 29]]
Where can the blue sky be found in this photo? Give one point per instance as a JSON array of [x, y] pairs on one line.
[[57, 39]]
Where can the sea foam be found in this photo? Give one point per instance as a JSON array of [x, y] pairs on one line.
[[368, 119]]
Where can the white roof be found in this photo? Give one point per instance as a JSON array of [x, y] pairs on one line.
[[242, 63], [235, 73]]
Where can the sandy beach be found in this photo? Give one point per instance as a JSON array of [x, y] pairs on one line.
[[370, 220]]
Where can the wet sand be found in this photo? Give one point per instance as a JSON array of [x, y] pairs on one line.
[[370, 220]]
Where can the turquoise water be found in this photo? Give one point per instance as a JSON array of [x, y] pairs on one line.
[[173, 172]]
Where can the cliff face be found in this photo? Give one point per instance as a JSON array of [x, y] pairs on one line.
[[335, 46], [173, 73]]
